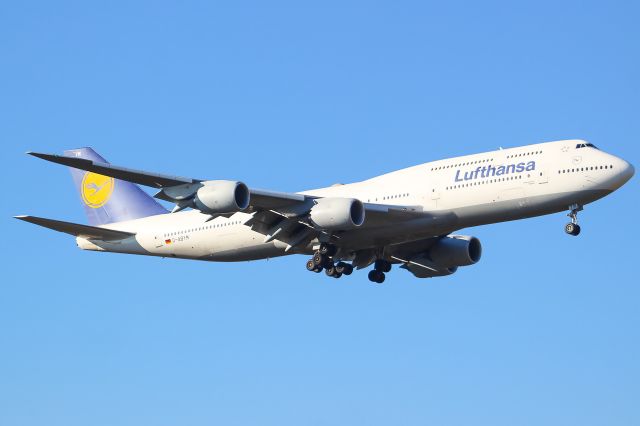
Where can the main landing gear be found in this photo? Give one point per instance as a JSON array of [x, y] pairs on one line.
[[572, 228], [323, 259], [377, 275]]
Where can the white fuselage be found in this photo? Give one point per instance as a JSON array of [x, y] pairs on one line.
[[459, 192]]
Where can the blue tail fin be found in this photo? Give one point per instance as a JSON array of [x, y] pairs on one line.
[[108, 200]]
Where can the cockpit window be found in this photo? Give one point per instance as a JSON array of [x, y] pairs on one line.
[[585, 145]]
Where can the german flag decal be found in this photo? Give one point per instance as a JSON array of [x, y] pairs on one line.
[[167, 242]]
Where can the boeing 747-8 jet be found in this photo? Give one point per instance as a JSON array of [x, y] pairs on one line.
[[404, 218]]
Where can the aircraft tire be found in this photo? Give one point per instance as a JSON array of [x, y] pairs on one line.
[[319, 259], [572, 229], [344, 268], [376, 276], [311, 265], [330, 271]]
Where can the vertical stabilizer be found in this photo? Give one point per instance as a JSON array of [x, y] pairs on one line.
[[108, 200]]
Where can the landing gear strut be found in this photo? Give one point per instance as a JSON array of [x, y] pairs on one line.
[[572, 228], [327, 249], [377, 274], [323, 259]]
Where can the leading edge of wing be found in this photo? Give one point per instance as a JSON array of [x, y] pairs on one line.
[[260, 199], [264, 199], [155, 180], [77, 229]]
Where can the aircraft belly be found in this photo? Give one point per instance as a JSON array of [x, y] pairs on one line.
[[510, 205], [239, 246], [247, 253], [503, 210], [127, 246], [418, 229]]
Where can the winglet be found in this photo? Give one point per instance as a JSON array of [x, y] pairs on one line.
[[64, 160]]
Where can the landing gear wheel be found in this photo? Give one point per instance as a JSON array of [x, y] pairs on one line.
[[344, 268], [577, 230], [311, 265], [319, 259], [572, 229], [327, 249], [330, 271], [376, 276]]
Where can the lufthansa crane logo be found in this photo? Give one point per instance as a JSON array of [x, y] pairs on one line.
[[96, 189]]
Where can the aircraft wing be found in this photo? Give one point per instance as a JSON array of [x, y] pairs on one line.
[[277, 215], [154, 180], [260, 198], [77, 230]]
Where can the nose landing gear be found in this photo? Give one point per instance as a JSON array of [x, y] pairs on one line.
[[572, 228]]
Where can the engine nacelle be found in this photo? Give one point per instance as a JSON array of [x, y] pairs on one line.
[[337, 214], [431, 271], [222, 196], [456, 250]]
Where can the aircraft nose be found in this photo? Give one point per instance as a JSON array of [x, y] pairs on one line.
[[625, 172]]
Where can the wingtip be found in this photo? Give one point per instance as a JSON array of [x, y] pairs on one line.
[[36, 154]]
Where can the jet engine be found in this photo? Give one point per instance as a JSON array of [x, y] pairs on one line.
[[456, 250], [445, 256], [337, 214], [222, 196]]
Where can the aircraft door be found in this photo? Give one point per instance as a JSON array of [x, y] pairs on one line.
[[434, 195], [543, 176], [158, 241]]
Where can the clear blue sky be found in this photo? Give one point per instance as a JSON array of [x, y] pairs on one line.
[[286, 96]]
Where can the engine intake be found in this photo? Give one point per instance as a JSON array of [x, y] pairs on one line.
[[222, 196], [456, 250], [337, 214]]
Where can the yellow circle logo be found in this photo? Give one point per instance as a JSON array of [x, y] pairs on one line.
[[96, 189]]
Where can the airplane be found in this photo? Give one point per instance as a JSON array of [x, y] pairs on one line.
[[407, 217]]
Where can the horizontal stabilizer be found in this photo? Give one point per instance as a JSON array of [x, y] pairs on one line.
[[77, 230]]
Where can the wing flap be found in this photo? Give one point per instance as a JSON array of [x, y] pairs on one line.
[[78, 230]]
